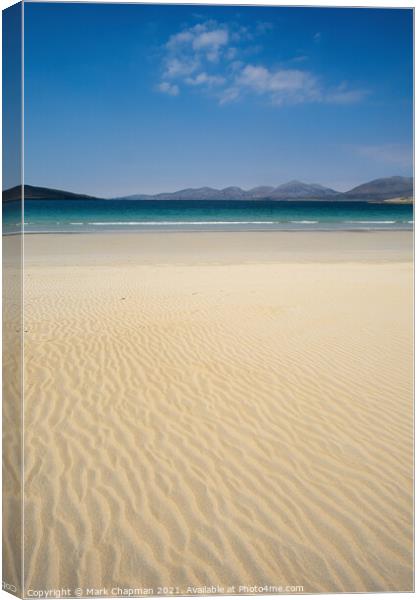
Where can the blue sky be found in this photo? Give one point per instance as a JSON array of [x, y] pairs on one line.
[[122, 99]]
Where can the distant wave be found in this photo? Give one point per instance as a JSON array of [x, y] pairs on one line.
[[182, 222], [304, 222], [226, 222], [372, 222], [290, 222]]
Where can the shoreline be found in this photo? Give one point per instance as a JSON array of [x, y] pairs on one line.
[[199, 228]]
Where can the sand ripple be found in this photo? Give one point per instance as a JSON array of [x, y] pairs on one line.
[[230, 425]]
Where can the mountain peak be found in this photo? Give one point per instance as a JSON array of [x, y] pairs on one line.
[[383, 188]]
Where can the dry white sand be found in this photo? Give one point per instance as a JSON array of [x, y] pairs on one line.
[[219, 409], [12, 414]]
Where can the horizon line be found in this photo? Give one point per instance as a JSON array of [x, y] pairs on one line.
[[207, 187]]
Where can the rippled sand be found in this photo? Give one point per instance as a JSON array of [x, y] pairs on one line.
[[199, 412]]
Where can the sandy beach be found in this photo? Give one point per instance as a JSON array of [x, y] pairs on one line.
[[219, 409]]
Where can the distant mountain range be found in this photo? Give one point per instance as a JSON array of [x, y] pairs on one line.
[[293, 190], [377, 190]]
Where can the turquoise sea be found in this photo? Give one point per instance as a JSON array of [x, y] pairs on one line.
[[77, 216]]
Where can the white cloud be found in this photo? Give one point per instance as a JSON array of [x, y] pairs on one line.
[[280, 85], [288, 86], [343, 95], [176, 67], [205, 79], [278, 82], [235, 65], [348, 97], [204, 37], [168, 88], [202, 56], [179, 38], [317, 37], [229, 95], [192, 48], [299, 58], [210, 39]]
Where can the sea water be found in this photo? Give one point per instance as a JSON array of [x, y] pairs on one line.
[[72, 216]]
